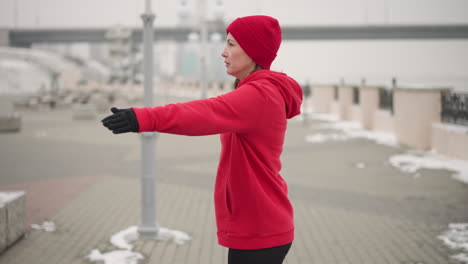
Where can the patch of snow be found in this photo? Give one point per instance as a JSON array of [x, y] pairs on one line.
[[321, 138], [360, 165], [383, 138], [47, 226], [345, 126], [306, 110], [459, 129], [115, 257], [412, 162], [350, 130], [457, 238], [6, 197], [323, 117], [15, 64], [173, 235], [123, 239]]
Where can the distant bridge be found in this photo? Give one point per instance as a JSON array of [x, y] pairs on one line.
[[25, 37]]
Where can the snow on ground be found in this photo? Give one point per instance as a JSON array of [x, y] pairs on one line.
[[347, 130], [123, 239], [360, 165], [321, 138], [308, 114], [177, 237], [47, 226], [411, 162], [459, 129], [6, 197], [457, 238], [457, 235], [322, 117], [115, 257]]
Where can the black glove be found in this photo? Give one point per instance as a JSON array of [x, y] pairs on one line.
[[122, 121]]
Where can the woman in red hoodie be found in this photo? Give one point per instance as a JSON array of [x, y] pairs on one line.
[[254, 216]]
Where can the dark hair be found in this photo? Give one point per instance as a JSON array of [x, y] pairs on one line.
[[257, 68]]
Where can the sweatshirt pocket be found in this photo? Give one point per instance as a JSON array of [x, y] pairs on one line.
[[223, 203], [228, 201]]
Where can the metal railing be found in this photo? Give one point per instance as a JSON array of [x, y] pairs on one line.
[[336, 93], [355, 95], [386, 99], [307, 90], [454, 108]]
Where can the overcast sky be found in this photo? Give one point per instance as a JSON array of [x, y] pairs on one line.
[[102, 13]]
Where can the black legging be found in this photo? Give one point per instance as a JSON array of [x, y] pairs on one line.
[[274, 255]]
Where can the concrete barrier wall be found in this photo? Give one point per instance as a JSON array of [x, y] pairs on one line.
[[10, 121], [322, 97], [356, 113], [416, 109], [450, 140], [369, 101], [383, 120], [345, 101], [12, 217], [69, 79], [335, 108], [415, 122]]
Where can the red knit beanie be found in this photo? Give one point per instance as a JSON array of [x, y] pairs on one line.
[[259, 37]]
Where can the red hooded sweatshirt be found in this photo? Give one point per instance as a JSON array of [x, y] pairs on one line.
[[251, 198]]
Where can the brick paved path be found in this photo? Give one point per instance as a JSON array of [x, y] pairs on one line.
[[344, 214]]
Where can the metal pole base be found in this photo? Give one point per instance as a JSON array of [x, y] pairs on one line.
[[148, 232]]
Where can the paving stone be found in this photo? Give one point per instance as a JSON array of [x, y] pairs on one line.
[[343, 214]]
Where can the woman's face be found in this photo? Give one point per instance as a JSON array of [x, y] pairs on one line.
[[238, 63]]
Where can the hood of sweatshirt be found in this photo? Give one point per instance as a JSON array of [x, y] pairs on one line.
[[290, 90]]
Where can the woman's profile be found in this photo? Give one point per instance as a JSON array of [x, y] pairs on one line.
[[254, 215]]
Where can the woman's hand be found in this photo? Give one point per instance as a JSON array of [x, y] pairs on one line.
[[121, 121]]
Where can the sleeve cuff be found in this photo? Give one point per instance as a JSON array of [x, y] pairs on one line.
[[145, 120]]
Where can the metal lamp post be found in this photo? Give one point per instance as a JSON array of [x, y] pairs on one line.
[[203, 52], [148, 229]]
